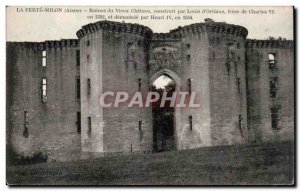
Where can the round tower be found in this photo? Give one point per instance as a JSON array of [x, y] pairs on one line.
[[114, 58]]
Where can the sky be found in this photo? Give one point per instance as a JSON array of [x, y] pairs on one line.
[[162, 81], [41, 26]]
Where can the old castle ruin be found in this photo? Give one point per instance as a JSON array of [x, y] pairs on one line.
[[245, 89]]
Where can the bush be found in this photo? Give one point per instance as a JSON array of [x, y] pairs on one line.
[[15, 159]]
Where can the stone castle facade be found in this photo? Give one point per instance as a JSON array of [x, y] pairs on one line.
[[245, 89]]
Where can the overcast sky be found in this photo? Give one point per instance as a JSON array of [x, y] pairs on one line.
[[25, 26]]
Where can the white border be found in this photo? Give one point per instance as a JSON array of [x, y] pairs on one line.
[[110, 2]]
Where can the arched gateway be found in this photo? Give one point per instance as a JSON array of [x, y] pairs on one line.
[[177, 111]]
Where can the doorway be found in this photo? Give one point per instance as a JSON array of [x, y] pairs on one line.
[[163, 117]]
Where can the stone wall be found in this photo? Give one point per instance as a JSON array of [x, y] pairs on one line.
[[227, 89], [230, 75], [117, 60], [260, 102], [52, 125]]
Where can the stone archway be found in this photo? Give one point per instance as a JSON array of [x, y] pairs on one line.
[[177, 111]]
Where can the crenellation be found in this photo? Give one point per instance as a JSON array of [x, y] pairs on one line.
[[269, 44]]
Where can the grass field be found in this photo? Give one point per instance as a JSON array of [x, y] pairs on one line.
[[225, 165]]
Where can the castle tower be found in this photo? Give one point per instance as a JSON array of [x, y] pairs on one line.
[[114, 58]]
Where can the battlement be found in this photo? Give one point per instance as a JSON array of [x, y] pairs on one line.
[[113, 26], [216, 27], [269, 43], [166, 36], [47, 44]]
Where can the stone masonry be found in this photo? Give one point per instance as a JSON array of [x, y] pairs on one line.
[[245, 89]]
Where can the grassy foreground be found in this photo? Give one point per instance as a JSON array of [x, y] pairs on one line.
[[239, 165]]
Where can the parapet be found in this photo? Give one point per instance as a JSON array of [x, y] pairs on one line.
[[47, 44], [269, 43], [214, 27], [114, 26]]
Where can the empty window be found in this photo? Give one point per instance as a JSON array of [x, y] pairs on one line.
[[44, 90], [88, 86], [273, 87], [78, 122], [191, 122], [140, 125], [239, 84], [188, 46], [189, 86], [77, 88], [44, 58], [89, 126], [188, 57], [238, 45], [272, 62], [77, 57], [88, 43], [140, 84], [274, 118]]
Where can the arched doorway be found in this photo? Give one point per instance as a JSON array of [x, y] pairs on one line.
[[165, 120]]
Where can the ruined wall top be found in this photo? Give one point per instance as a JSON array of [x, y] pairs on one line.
[[47, 44], [208, 26], [269, 43], [113, 26]]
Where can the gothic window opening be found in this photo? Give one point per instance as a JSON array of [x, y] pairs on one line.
[[89, 86], [272, 61], [273, 87], [238, 45], [77, 88], [44, 90], [140, 125], [188, 46], [189, 85], [44, 58], [89, 126], [77, 57], [78, 122], [88, 43], [140, 83], [191, 122], [26, 132], [274, 118], [239, 85]]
